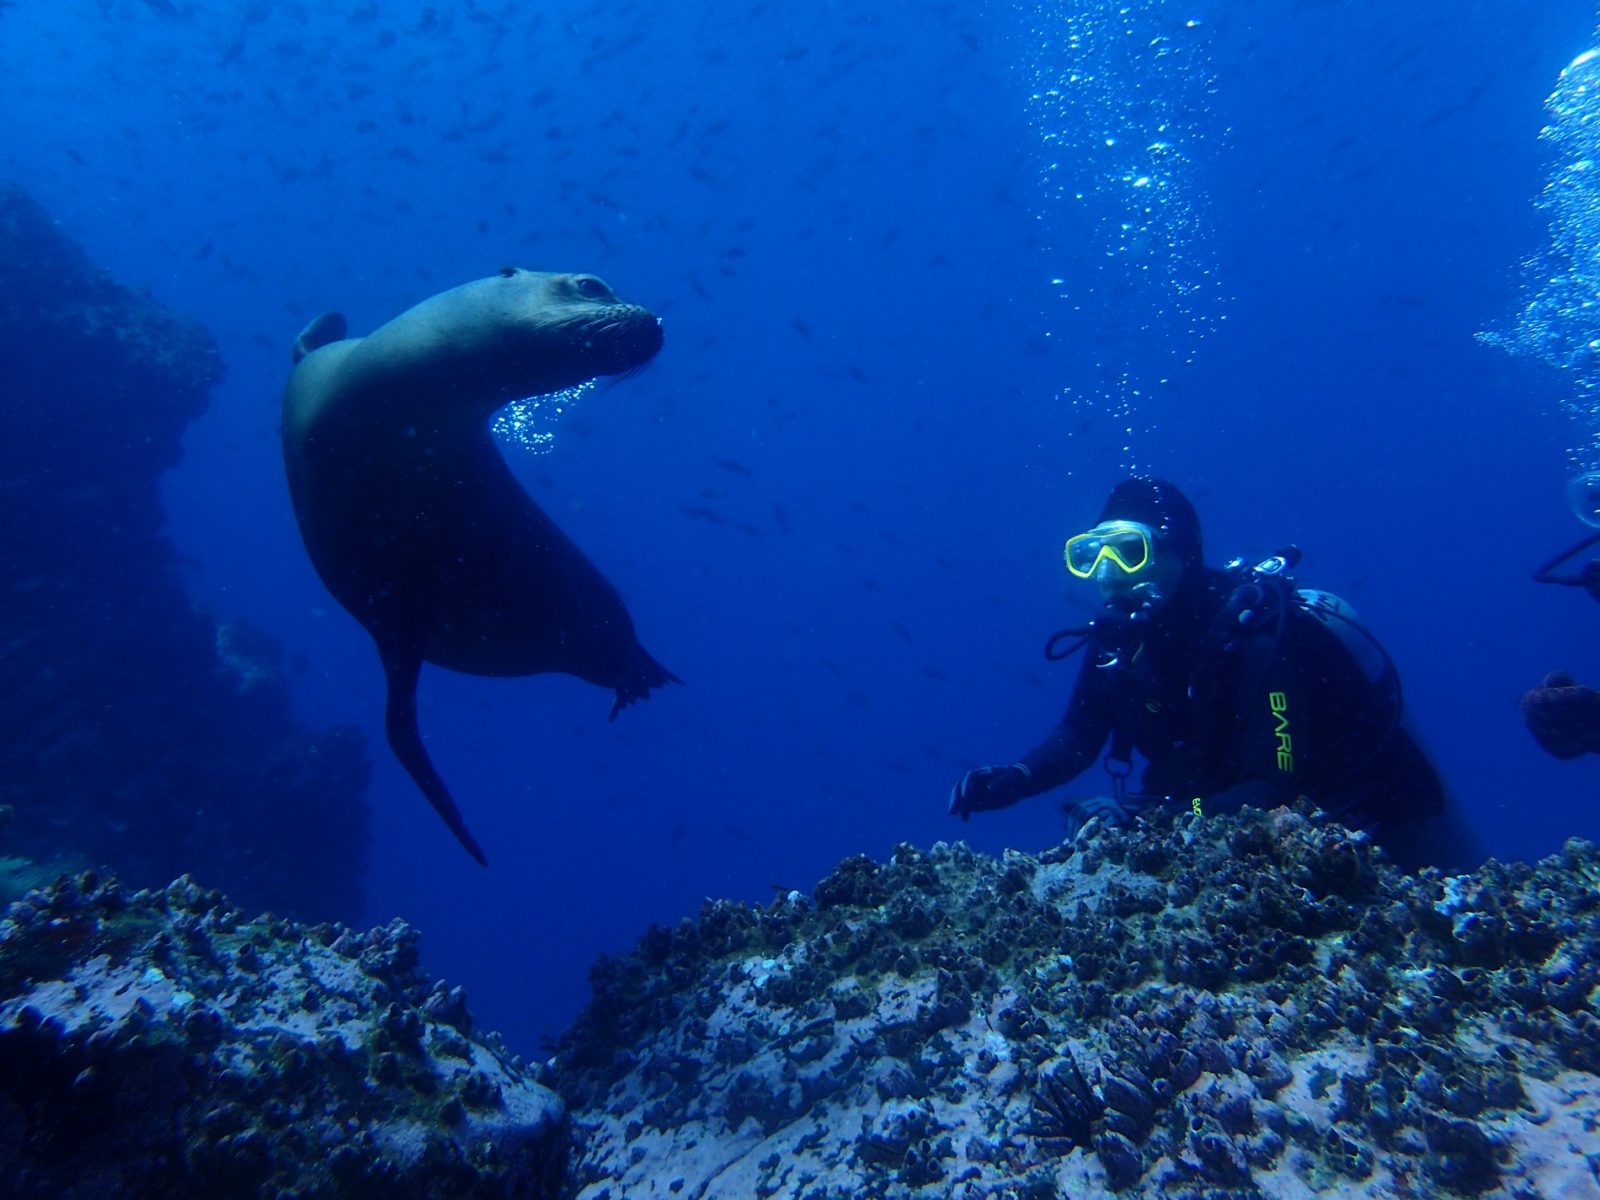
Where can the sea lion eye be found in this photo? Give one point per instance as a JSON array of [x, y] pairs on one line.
[[508, 272], [592, 288]]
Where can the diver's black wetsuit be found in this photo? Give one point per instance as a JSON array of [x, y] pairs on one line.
[[1261, 717]]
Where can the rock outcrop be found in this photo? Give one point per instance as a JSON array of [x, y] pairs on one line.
[[161, 1044], [1243, 1006]]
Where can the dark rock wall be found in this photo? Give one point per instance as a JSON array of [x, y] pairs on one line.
[[136, 732]]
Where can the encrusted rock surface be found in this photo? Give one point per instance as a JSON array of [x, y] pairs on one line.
[[1245, 1006], [160, 1044]]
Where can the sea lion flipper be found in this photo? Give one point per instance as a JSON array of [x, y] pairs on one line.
[[324, 329], [647, 674], [401, 666]]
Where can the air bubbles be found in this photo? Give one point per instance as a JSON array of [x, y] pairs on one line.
[[524, 423], [1583, 60], [1558, 318], [1120, 100]]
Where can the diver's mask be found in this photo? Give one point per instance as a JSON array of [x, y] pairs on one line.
[[1111, 546], [1120, 558], [1583, 494]]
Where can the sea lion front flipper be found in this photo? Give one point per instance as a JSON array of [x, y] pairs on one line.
[[324, 329], [401, 666]]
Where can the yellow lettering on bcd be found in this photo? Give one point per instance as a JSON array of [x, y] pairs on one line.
[[1279, 703]]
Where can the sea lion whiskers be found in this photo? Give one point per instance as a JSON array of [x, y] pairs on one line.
[[611, 381]]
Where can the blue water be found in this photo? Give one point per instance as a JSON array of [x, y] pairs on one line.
[[930, 324]]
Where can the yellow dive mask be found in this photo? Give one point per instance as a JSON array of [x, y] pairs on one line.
[[1125, 544]]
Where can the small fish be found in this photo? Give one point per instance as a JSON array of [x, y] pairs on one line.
[[734, 465]]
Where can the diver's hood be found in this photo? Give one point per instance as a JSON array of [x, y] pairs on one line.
[[1167, 511]]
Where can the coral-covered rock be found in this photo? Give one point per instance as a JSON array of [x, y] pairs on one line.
[[160, 1044], [1256, 1005]]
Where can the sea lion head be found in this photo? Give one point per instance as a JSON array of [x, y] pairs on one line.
[[575, 326]]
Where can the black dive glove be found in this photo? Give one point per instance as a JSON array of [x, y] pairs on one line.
[[1563, 717], [984, 788]]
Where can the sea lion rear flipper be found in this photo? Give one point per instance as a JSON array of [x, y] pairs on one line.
[[323, 330], [401, 666], [648, 674]]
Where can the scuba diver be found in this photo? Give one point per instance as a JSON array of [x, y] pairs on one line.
[[1234, 687], [1563, 716]]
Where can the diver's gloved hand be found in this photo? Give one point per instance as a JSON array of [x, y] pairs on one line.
[[1563, 717], [985, 788], [1080, 810]]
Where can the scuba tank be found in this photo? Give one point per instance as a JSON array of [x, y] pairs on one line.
[[1335, 614], [1339, 617], [1265, 592]]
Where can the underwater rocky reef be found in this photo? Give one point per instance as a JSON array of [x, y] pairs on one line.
[[136, 732], [161, 1044], [1249, 1006]]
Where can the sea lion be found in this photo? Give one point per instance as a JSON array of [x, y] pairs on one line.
[[412, 518]]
